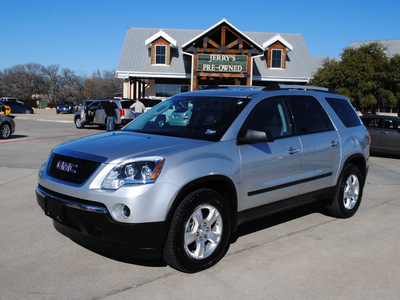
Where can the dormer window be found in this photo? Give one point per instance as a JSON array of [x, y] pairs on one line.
[[276, 52], [161, 54], [161, 45], [276, 58]]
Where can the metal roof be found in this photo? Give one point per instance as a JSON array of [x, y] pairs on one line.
[[392, 46], [135, 59]]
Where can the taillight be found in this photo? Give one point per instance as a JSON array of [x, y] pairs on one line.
[[122, 113], [369, 139], [186, 117]]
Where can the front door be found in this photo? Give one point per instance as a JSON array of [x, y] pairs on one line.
[[270, 171]]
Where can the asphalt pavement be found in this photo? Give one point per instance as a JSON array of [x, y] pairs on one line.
[[300, 254]]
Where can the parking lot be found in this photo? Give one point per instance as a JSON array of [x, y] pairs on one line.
[[300, 254]]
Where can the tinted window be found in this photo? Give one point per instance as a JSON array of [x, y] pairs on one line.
[[126, 104], [371, 122], [345, 111], [309, 116], [390, 124], [271, 114]]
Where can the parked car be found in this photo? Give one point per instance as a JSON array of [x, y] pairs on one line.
[[10, 99], [7, 127], [180, 191], [93, 113], [17, 107], [67, 106], [5, 110], [385, 133], [151, 102]]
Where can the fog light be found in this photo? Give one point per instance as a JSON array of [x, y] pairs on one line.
[[121, 211]]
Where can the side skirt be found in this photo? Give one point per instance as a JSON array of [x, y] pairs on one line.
[[273, 208]]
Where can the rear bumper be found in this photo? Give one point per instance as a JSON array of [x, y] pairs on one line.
[[90, 225]]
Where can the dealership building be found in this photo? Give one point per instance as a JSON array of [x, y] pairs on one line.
[[163, 62]]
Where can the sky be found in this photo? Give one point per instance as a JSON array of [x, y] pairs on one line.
[[87, 35]]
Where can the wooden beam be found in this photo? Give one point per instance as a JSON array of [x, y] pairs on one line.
[[234, 43], [213, 43]]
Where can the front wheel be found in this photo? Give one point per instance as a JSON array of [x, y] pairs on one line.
[[78, 123], [5, 131], [199, 233], [348, 193], [27, 111]]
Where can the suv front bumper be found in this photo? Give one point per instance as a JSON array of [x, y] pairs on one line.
[[90, 225]]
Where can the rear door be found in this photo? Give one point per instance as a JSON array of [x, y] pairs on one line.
[[389, 136], [320, 143], [270, 171], [373, 125]]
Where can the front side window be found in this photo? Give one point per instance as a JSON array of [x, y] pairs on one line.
[[309, 116], [276, 59], [161, 52], [271, 114]]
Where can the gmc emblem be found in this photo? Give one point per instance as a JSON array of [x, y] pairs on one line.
[[66, 167]]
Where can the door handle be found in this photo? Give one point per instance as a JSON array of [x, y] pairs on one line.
[[384, 132], [334, 143], [292, 150]]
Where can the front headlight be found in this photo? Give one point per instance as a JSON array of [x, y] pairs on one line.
[[133, 172]]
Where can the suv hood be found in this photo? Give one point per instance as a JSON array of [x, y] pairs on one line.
[[119, 146]]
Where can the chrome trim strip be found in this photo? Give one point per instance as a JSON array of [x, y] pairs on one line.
[[76, 205]]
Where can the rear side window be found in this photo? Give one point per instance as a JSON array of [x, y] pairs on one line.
[[126, 104], [309, 116], [344, 111]]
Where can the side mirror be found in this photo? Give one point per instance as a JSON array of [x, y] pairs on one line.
[[251, 136]]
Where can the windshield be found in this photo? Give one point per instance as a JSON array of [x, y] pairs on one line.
[[205, 118]]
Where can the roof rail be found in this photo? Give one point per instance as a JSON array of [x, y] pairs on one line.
[[233, 87], [275, 87]]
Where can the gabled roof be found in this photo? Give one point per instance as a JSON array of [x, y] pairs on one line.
[[135, 58], [206, 32], [277, 38], [159, 34]]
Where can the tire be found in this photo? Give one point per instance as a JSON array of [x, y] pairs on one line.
[[160, 121], [27, 111], [5, 131], [348, 193], [199, 233], [78, 123]]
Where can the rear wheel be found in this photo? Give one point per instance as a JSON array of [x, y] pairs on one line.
[[5, 131], [348, 193], [78, 123], [160, 121], [199, 233], [27, 111]]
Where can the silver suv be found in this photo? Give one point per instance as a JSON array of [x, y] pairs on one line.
[[93, 113], [155, 189]]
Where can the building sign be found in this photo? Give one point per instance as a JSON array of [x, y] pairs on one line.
[[222, 63]]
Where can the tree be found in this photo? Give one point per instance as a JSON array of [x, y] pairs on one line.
[[23, 81], [363, 75]]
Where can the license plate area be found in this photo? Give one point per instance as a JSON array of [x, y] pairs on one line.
[[55, 209]]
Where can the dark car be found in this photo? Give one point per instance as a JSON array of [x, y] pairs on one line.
[[17, 107], [7, 127], [385, 133], [67, 106]]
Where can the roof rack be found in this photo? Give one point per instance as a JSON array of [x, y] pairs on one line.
[[275, 87], [233, 87]]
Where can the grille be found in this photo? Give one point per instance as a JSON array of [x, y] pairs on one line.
[[71, 169]]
